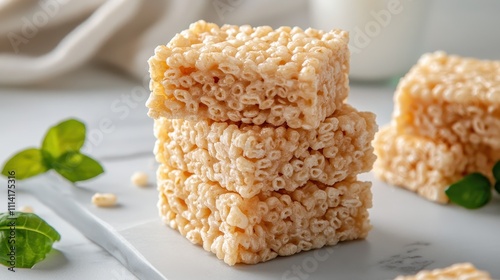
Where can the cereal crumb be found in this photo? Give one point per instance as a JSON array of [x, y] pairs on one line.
[[104, 199], [26, 209], [140, 179]]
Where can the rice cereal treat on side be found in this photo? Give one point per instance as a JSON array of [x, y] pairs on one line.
[[250, 159], [257, 229], [461, 271], [451, 99], [426, 167], [251, 75]]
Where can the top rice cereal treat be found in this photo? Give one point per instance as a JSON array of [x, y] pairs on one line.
[[250, 75], [450, 99], [460, 271]]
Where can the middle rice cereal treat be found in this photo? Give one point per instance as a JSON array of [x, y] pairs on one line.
[[257, 229], [250, 159], [251, 75], [426, 167]]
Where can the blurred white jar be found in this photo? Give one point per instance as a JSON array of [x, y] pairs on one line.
[[385, 35]]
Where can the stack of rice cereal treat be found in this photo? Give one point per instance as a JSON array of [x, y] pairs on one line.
[[258, 153], [446, 124]]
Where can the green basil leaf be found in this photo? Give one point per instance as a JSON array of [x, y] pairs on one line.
[[497, 186], [75, 167], [496, 171], [473, 191], [25, 239], [66, 136], [27, 163]]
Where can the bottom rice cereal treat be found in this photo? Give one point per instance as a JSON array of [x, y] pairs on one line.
[[427, 167], [271, 224], [461, 271]]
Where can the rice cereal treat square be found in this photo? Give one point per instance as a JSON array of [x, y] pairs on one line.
[[250, 75], [251, 159], [426, 167], [450, 99], [257, 229], [461, 271]]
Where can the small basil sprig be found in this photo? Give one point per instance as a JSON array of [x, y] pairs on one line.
[[474, 190], [60, 151], [25, 239]]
